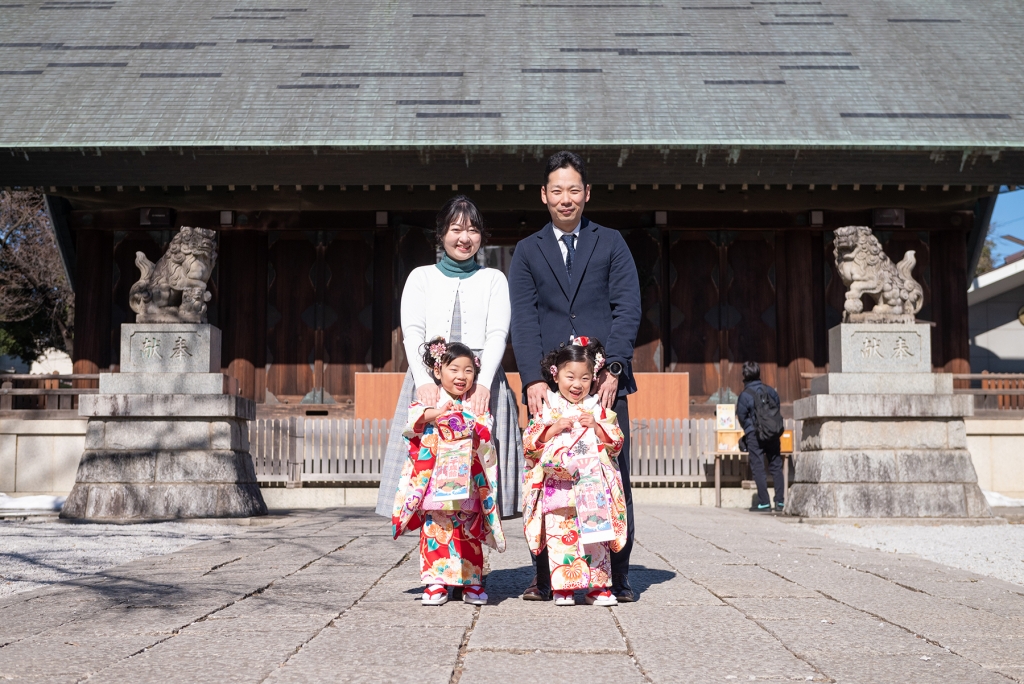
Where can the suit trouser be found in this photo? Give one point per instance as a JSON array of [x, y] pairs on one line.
[[620, 559], [773, 452]]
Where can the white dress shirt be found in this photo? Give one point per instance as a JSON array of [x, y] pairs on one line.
[[561, 245]]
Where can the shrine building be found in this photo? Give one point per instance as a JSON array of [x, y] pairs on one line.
[[726, 139]]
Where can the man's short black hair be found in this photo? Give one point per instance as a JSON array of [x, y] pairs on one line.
[[564, 160], [751, 371]]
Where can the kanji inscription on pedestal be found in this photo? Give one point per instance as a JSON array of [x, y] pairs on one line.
[[880, 348], [170, 348]]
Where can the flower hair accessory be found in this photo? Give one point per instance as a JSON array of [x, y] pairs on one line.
[[437, 352], [581, 341], [476, 361], [553, 369], [598, 362]]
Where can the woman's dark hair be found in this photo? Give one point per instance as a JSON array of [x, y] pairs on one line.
[[568, 354], [563, 160], [751, 371], [452, 351], [459, 209]]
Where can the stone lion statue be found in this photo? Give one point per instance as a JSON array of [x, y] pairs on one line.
[[866, 270], [174, 289]]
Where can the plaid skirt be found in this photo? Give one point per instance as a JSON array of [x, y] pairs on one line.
[[506, 437]]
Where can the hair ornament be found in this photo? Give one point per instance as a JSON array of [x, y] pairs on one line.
[[581, 341], [554, 370], [476, 361], [437, 352], [598, 362]]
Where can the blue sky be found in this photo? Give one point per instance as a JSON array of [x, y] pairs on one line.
[[1007, 219]]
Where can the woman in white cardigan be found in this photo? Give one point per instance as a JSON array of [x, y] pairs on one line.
[[462, 302]]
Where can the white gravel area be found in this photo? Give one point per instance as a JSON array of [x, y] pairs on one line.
[[37, 554], [992, 550]]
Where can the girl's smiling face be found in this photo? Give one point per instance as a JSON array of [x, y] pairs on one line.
[[457, 377], [573, 379]]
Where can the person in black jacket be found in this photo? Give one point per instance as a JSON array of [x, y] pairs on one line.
[[574, 277], [772, 450]]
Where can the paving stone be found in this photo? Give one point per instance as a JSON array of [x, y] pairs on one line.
[[221, 656], [488, 667], [938, 669], [730, 645], [359, 651], [55, 655], [531, 626]]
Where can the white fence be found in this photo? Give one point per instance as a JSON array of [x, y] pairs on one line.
[[330, 450]]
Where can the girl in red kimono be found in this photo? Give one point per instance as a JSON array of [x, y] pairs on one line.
[[448, 482], [574, 430]]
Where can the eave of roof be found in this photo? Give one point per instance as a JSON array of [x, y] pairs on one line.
[[996, 282]]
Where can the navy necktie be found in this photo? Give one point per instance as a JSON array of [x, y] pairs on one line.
[[570, 253]]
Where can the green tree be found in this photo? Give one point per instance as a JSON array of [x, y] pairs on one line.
[[985, 263], [37, 304]]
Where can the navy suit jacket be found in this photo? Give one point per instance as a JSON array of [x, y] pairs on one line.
[[602, 300]]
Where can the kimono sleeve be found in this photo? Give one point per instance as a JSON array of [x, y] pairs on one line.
[[610, 424], [416, 424]]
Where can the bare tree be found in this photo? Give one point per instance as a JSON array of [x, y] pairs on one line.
[[35, 295]]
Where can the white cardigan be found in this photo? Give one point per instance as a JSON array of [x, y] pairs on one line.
[[427, 305]]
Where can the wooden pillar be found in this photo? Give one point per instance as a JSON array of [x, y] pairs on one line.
[[243, 308], [93, 283], [384, 319], [950, 336], [799, 306]]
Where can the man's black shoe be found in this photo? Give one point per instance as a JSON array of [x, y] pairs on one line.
[[621, 589], [537, 592], [761, 508]]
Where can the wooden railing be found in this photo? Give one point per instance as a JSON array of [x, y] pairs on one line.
[[681, 450], [24, 392], [318, 450], [323, 450], [996, 391]]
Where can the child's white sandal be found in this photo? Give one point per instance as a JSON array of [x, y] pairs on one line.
[[474, 595], [435, 595]]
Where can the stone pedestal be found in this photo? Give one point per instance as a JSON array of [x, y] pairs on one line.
[[884, 437], [168, 438]]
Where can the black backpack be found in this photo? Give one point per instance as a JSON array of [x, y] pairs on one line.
[[768, 423]]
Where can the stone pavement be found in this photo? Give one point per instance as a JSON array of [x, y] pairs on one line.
[[328, 596]]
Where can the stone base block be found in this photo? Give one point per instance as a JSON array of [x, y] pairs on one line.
[[879, 466], [136, 502], [166, 406], [167, 383], [170, 348], [887, 500], [826, 434], [158, 485], [884, 406], [137, 434], [873, 383]]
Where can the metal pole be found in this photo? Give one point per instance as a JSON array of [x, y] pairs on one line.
[[718, 480]]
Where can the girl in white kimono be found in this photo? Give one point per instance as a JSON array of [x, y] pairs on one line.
[[448, 481], [571, 453]]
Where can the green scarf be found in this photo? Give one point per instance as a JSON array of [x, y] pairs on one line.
[[458, 269]]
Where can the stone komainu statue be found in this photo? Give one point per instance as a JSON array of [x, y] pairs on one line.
[[174, 289], [866, 270]]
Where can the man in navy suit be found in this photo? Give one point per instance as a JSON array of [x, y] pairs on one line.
[[571, 278]]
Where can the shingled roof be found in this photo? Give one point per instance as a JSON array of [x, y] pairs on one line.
[[405, 74]]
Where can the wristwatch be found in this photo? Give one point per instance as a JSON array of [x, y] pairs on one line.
[[615, 368]]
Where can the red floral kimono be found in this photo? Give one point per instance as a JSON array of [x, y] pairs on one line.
[[549, 505], [451, 532]]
